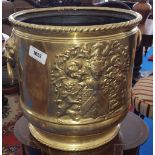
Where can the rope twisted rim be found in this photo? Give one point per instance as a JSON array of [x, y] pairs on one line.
[[92, 28]]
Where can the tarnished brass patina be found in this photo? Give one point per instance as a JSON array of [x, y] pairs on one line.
[[76, 96]]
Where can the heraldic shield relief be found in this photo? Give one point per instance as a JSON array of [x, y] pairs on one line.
[[90, 80]]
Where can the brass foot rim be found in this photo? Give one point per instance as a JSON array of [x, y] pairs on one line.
[[73, 143]]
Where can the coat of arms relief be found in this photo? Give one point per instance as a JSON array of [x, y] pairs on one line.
[[90, 80]]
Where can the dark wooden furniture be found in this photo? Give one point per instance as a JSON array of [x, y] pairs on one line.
[[113, 4], [7, 10], [133, 133], [53, 3], [147, 39]]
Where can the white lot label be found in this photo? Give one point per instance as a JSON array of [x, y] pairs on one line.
[[37, 55]]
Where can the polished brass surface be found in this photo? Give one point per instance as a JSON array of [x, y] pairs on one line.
[[78, 96], [74, 143]]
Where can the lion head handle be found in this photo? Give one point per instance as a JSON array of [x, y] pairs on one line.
[[9, 54]]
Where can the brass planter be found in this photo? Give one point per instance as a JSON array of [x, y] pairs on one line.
[[75, 69]]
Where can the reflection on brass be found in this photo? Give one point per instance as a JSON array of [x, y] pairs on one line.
[[67, 141], [76, 99], [139, 37]]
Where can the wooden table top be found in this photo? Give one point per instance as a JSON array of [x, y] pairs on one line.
[[133, 133]]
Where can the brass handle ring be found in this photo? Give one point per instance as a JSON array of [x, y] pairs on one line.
[[139, 37], [9, 54]]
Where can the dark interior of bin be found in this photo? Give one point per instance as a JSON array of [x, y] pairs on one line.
[[74, 17]]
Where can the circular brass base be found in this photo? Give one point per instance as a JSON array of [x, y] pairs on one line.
[[73, 143]]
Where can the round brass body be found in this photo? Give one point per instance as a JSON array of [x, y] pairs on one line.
[[74, 69]]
